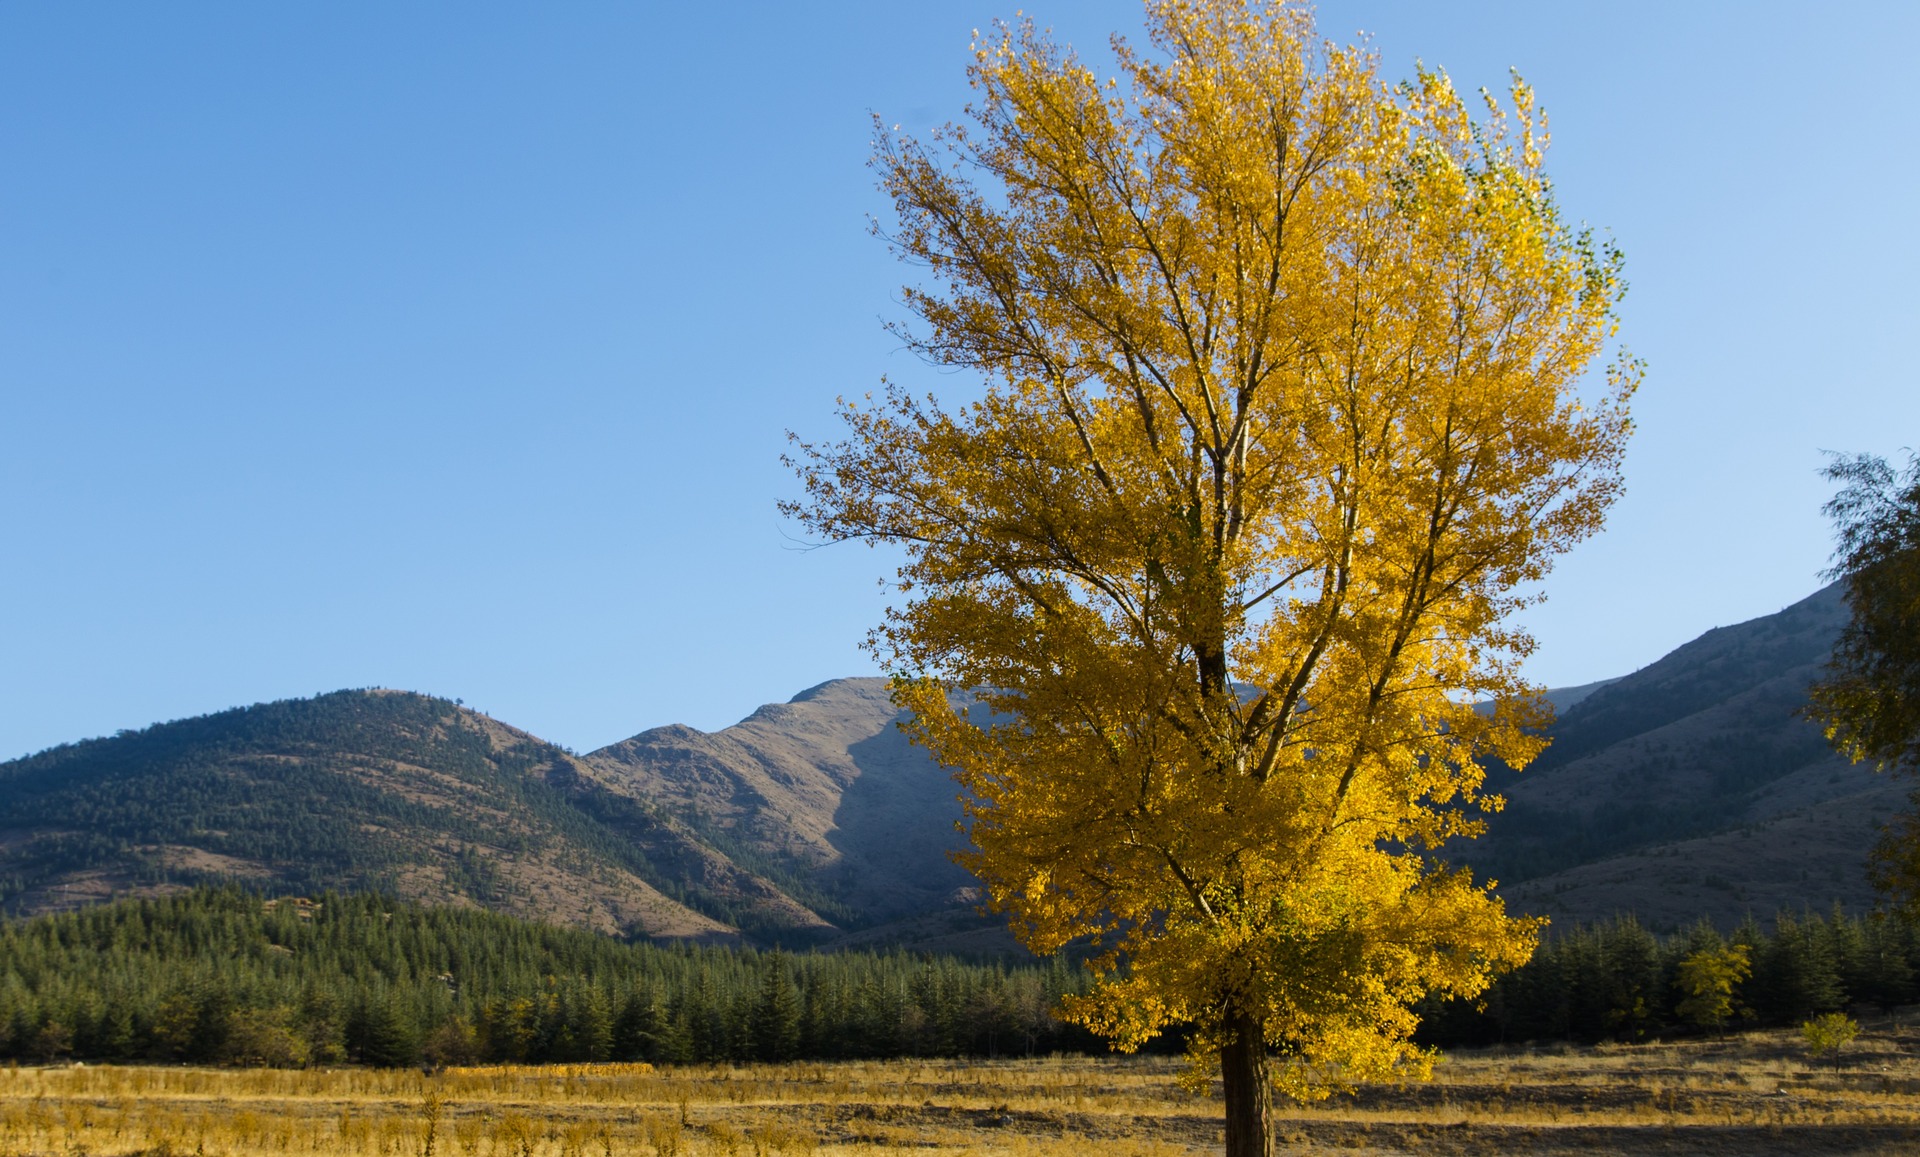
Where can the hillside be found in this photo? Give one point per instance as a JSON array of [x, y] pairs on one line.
[[1689, 788], [803, 822], [823, 791], [361, 790], [1693, 787]]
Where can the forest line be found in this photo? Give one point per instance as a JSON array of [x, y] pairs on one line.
[[227, 976]]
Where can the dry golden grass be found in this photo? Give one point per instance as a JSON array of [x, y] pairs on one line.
[[1751, 1094]]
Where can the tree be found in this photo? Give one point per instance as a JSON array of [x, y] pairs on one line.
[[1868, 702], [1708, 977], [776, 1014], [1279, 414], [1795, 973], [1828, 1033], [385, 1033]]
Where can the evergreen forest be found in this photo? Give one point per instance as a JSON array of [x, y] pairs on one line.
[[1617, 981], [226, 976], [223, 975]]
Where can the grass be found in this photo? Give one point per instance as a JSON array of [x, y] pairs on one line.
[[1756, 1093]]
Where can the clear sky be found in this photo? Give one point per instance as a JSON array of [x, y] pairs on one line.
[[451, 347]]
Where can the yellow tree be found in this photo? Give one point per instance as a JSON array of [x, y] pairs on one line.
[[1279, 412], [1708, 978]]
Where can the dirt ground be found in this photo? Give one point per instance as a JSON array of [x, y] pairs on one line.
[[1753, 1094]]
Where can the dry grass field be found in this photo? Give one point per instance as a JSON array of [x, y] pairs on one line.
[[1749, 1094]]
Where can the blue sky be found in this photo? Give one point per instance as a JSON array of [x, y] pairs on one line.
[[452, 348]]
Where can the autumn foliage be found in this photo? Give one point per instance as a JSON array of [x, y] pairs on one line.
[[1281, 413]]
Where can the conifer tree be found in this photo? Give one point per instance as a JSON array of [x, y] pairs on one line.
[[637, 1029], [1885, 976], [383, 1032], [1795, 974], [776, 1015]]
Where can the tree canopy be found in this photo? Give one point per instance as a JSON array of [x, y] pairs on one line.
[[1868, 702], [1280, 419]]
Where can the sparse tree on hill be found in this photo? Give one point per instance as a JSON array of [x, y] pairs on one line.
[[1868, 702], [1280, 412]]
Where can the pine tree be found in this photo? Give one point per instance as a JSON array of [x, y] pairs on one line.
[[383, 1032], [1794, 973], [636, 1030], [776, 1014]]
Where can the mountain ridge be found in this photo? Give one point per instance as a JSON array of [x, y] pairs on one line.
[[1670, 791], [365, 789], [824, 785], [1658, 783]]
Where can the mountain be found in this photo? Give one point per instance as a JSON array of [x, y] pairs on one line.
[[825, 795], [823, 792], [1689, 788], [368, 789], [1694, 787], [807, 822]]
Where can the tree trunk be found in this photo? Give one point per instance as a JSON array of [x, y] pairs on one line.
[[1249, 1092]]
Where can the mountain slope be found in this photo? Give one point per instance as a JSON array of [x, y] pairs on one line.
[[1691, 787], [1784, 650], [366, 789], [1694, 787], [823, 793]]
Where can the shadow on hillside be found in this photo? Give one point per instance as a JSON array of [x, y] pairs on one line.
[[894, 828]]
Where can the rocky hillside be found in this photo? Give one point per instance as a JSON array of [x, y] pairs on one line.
[[823, 792]]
